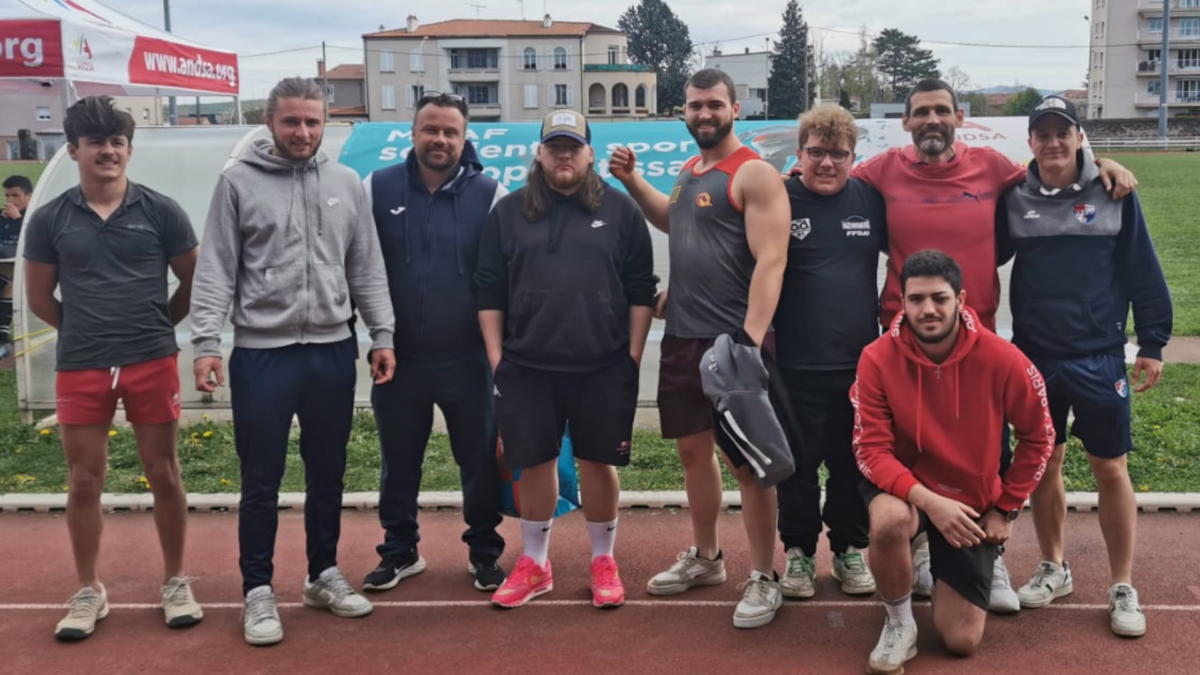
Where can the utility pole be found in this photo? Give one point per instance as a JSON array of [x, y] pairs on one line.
[[1164, 65], [172, 112], [767, 87], [325, 79]]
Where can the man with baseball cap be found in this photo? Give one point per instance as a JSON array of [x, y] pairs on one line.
[[1081, 260], [566, 290]]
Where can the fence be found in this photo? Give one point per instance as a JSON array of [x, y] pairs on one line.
[[1191, 144]]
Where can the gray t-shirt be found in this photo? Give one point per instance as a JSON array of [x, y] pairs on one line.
[[711, 262], [112, 275]]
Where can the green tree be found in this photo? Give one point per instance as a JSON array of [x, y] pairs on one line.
[[792, 82], [860, 77], [977, 101], [659, 39], [903, 62], [1023, 103]]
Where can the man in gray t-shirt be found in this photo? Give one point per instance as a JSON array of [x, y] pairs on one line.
[[106, 245]]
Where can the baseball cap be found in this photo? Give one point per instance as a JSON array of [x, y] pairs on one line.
[[566, 123], [1054, 105]]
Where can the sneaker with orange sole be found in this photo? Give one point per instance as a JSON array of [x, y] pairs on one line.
[[607, 589], [526, 582]]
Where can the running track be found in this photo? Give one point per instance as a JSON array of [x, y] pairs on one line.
[[437, 623]]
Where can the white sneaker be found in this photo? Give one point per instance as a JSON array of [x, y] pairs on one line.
[[797, 581], [897, 645], [1048, 583], [179, 605], [922, 574], [1125, 614], [260, 618], [850, 568], [688, 571], [331, 591], [759, 603], [1002, 599], [84, 609]]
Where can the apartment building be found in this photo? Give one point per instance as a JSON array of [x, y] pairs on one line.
[[1126, 60], [508, 71], [26, 107], [750, 72], [345, 91]]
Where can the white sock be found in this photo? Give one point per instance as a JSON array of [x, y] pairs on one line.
[[899, 611], [602, 536], [535, 539]]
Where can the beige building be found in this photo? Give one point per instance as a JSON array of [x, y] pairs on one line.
[[42, 115], [509, 71], [1126, 58]]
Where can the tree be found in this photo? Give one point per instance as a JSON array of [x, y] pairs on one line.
[[254, 116], [791, 84], [903, 62], [1023, 103], [860, 77], [977, 101], [659, 39], [958, 80]]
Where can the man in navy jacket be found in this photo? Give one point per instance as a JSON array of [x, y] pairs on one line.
[[429, 211], [1081, 260]]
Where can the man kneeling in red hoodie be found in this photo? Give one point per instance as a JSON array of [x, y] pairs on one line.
[[930, 397]]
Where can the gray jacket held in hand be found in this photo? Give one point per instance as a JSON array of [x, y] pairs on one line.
[[288, 244], [736, 381]]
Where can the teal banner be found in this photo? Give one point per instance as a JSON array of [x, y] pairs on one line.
[[507, 149]]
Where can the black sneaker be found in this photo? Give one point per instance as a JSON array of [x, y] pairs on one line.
[[488, 575], [393, 568]]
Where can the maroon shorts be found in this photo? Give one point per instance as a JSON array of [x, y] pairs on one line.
[[149, 390], [683, 409]]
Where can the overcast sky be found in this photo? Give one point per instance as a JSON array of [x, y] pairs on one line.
[[1053, 33]]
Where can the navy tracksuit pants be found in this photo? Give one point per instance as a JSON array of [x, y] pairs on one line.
[[314, 382], [462, 388]]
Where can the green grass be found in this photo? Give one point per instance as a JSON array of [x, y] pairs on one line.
[[31, 170], [1167, 190], [1166, 423]]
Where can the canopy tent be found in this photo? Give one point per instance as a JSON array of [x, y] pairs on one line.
[[58, 43]]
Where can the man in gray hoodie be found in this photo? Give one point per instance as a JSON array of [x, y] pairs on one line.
[[288, 244]]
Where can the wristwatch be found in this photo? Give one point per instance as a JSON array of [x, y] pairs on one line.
[[1008, 515]]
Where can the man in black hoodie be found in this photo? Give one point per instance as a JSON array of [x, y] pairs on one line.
[[429, 211], [566, 290]]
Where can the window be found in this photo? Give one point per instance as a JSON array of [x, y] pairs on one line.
[[14, 150], [475, 59], [478, 94], [145, 114], [531, 96], [388, 97], [560, 58], [43, 113], [1153, 54], [639, 97], [413, 94], [1155, 25], [1101, 59], [386, 64], [1189, 28], [1152, 87], [1187, 91], [530, 58], [620, 96], [614, 55], [416, 61], [329, 93], [1189, 58], [561, 95], [1189, 4]]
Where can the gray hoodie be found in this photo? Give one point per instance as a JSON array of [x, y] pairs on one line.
[[288, 244]]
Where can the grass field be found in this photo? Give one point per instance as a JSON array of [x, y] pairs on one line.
[[1166, 427]]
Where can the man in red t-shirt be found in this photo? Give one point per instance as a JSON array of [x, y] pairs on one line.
[[929, 398]]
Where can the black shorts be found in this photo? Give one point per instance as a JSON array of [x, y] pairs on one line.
[[534, 406], [1096, 389], [967, 570]]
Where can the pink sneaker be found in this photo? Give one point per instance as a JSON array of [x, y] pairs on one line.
[[526, 582], [607, 589]]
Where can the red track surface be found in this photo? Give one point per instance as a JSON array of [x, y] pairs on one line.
[[437, 623]]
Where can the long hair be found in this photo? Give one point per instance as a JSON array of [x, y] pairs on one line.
[[539, 196]]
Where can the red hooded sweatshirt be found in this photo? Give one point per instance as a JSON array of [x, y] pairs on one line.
[[939, 425], [950, 207]]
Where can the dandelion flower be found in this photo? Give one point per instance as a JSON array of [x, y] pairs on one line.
[[45, 432], [112, 433], [208, 434]]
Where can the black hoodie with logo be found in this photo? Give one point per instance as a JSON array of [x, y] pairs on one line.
[[566, 283]]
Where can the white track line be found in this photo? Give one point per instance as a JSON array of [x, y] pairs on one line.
[[457, 604]]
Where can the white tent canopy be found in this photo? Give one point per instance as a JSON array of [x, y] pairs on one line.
[[83, 41]]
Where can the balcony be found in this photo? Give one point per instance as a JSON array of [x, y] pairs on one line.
[[1151, 68], [1175, 98], [1154, 37], [1178, 7], [617, 68]]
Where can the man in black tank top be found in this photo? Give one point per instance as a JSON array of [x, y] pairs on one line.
[[728, 220]]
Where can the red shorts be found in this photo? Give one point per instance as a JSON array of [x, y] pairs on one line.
[[149, 390]]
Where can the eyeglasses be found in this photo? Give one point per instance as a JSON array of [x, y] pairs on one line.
[[836, 156], [442, 99]]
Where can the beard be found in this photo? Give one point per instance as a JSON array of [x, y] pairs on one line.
[[713, 140], [564, 182], [285, 151], [935, 142], [937, 337], [423, 158]]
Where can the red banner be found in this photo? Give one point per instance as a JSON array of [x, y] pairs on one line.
[[30, 48], [168, 64]]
